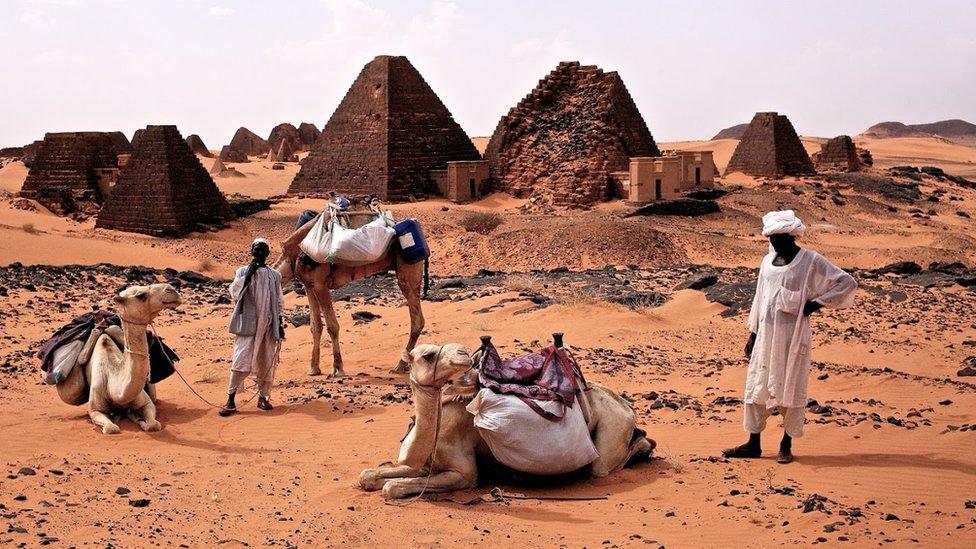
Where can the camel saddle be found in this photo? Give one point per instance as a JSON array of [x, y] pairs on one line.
[[550, 374]]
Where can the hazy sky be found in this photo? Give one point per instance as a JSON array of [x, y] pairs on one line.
[[210, 66]]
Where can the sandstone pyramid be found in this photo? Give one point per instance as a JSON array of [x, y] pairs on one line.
[[839, 153], [163, 190], [770, 148], [135, 137], [563, 140], [307, 134], [121, 142], [284, 132], [197, 146], [285, 152], [218, 166], [388, 133], [230, 154], [70, 161], [249, 143], [220, 170]]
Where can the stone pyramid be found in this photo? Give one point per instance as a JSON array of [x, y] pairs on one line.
[[249, 143], [839, 153], [770, 148], [68, 162], [163, 190], [218, 166], [197, 146], [307, 134], [563, 140], [285, 152], [284, 132], [388, 133]]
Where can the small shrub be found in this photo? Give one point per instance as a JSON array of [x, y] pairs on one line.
[[524, 283], [204, 265], [481, 222], [578, 295], [28, 228]]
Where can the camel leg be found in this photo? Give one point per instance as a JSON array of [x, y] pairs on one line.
[[151, 391], [410, 279], [99, 417], [447, 481], [332, 326], [143, 412], [374, 479], [614, 436], [315, 313]]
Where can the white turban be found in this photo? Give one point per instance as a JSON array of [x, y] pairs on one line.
[[260, 241], [783, 222]]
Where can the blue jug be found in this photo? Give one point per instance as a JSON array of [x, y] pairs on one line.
[[413, 245]]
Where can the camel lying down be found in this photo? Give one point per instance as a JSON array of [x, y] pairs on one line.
[[115, 377], [456, 443]]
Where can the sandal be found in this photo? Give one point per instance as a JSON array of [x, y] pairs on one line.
[[225, 411], [264, 404], [784, 457], [744, 451]]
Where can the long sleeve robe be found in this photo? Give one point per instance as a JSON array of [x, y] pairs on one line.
[[256, 354], [780, 365]]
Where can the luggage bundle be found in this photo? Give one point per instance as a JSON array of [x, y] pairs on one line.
[[332, 239], [530, 411]]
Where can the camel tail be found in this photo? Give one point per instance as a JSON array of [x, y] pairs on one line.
[[426, 278]]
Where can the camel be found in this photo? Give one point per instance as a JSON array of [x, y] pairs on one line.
[[116, 372], [320, 279], [457, 442]]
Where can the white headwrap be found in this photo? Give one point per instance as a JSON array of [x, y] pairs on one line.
[[783, 222], [262, 241]]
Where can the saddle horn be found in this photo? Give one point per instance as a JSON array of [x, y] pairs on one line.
[[557, 340]]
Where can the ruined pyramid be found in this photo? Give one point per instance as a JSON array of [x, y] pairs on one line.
[[163, 190], [770, 148], [388, 133], [197, 146], [563, 140], [839, 153], [69, 162]]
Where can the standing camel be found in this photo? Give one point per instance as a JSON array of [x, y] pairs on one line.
[[320, 279]]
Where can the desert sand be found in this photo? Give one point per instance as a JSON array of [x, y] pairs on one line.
[[888, 455]]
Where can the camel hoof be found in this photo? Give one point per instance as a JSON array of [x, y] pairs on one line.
[[111, 430], [370, 481], [315, 372], [151, 426], [336, 374], [394, 490]]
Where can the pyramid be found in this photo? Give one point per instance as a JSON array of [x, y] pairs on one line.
[[770, 148], [197, 146], [218, 166], [285, 152], [388, 133], [307, 134], [285, 132], [563, 140], [230, 154], [121, 142], [135, 137], [839, 153], [70, 161], [163, 190], [249, 143], [220, 170]]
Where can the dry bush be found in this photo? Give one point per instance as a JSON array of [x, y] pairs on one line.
[[28, 228], [211, 375], [524, 283], [204, 265], [578, 295], [481, 222]]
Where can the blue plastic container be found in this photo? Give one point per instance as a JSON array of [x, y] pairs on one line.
[[413, 245]]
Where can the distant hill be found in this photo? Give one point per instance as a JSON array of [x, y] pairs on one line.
[[953, 130], [735, 132]]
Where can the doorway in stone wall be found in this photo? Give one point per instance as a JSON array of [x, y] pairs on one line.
[[697, 176], [657, 189], [473, 188]]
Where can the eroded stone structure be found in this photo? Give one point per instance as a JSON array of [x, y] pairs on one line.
[[285, 133], [71, 168], [230, 154], [388, 133], [197, 146], [654, 178], [249, 143], [839, 153], [163, 190], [308, 134], [770, 147], [563, 141]]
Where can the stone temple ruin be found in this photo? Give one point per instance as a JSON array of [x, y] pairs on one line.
[[839, 154], [163, 190], [387, 135], [74, 169], [563, 141], [770, 148]]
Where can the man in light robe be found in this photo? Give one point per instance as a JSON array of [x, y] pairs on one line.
[[258, 301], [793, 284]]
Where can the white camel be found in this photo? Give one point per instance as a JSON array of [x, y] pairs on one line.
[[116, 380], [457, 442]]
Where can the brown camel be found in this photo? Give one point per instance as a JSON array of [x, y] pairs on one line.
[[320, 278]]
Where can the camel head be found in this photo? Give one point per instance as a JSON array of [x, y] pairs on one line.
[[141, 304], [434, 365]]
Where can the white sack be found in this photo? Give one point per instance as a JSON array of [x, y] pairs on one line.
[[63, 360], [525, 441], [332, 243]]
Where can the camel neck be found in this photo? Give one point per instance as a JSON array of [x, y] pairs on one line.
[[419, 445], [135, 364]]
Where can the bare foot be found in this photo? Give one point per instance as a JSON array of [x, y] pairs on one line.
[[746, 451]]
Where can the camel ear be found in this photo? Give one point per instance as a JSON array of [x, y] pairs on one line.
[[406, 357], [118, 299]]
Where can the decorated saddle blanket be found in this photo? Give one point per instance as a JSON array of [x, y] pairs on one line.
[[549, 375]]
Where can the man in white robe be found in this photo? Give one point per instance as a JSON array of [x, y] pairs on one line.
[[256, 294], [793, 283]]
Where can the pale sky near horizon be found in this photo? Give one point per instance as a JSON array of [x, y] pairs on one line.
[[693, 68]]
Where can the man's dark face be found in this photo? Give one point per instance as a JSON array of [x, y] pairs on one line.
[[782, 242]]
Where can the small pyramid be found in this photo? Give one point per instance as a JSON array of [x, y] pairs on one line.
[[69, 161], [196, 145], [564, 139], [285, 153], [307, 135], [770, 148], [135, 137], [285, 132], [249, 143], [388, 133], [839, 153], [218, 167], [230, 154], [163, 190]]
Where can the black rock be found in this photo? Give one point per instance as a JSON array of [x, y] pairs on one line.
[[365, 316], [26, 471], [901, 267], [139, 502]]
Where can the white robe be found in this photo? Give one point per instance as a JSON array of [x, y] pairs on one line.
[[780, 365], [256, 354]]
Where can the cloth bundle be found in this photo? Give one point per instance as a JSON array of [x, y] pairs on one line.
[[330, 242]]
